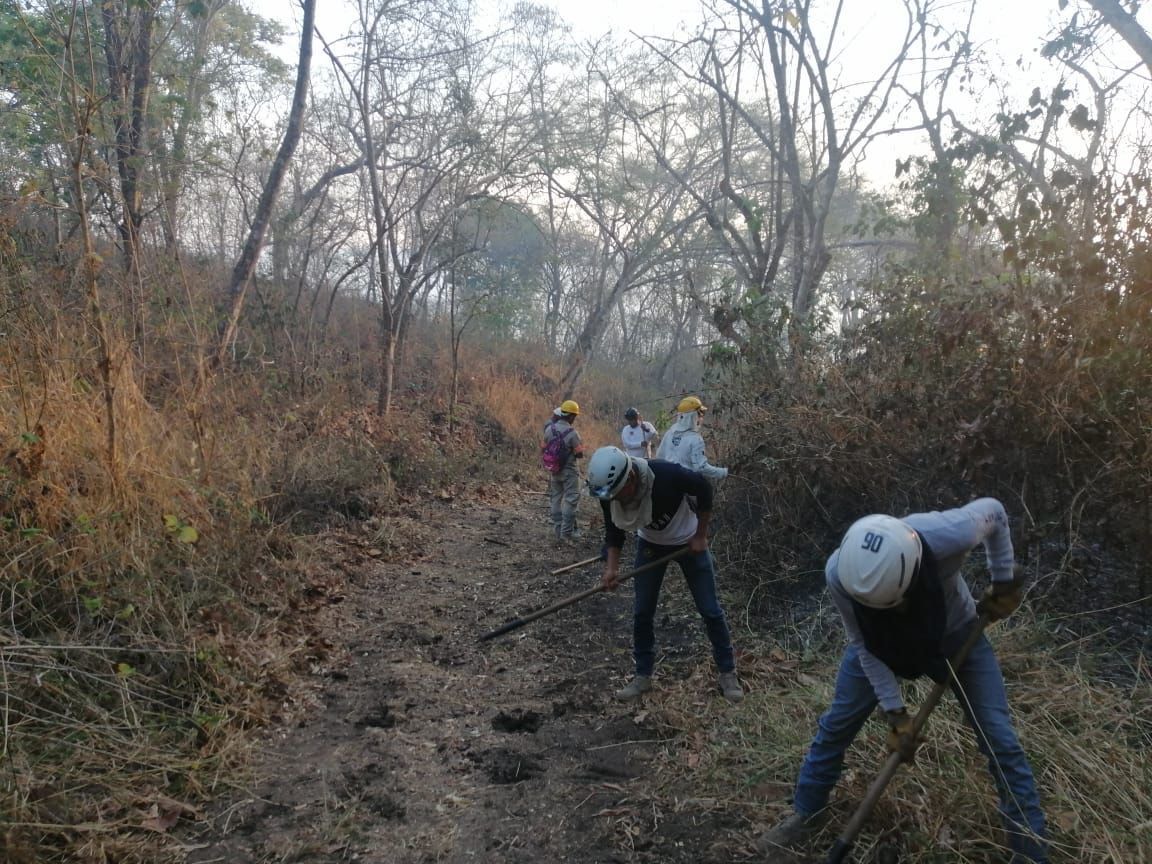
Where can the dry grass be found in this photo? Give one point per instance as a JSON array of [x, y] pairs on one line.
[[1088, 741], [140, 608], [150, 604], [520, 404]]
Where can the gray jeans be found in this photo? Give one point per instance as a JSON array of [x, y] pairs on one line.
[[564, 499]]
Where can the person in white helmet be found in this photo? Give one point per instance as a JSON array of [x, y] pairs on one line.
[[683, 443], [907, 610], [653, 499]]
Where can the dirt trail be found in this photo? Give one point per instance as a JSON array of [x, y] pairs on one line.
[[421, 745]]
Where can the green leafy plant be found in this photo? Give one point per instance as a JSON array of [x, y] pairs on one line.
[[181, 531]]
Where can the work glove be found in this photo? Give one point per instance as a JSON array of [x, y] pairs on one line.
[[1001, 599], [900, 738]]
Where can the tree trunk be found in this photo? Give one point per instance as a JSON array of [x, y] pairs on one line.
[[128, 54], [173, 178], [593, 329], [1124, 23], [246, 265], [387, 362], [81, 112]]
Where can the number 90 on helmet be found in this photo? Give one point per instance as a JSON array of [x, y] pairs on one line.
[[878, 558], [607, 472]]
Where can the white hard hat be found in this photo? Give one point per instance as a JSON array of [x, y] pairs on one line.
[[607, 472], [878, 557]]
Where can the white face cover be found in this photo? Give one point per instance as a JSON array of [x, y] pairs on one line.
[[689, 421], [636, 512]]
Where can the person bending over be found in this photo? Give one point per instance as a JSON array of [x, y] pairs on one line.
[[906, 610]]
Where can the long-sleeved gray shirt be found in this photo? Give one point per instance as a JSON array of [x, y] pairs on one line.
[[951, 535], [687, 448]]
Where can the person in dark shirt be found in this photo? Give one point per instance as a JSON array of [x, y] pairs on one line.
[[669, 507]]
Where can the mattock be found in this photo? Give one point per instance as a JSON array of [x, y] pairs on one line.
[[843, 845]]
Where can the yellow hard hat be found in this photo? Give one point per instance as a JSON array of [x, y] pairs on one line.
[[569, 407], [690, 403]]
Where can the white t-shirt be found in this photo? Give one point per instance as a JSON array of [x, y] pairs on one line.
[[635, 437]]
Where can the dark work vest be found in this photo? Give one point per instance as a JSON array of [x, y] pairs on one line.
[[911, 641]]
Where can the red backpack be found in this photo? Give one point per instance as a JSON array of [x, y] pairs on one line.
[[554, 451]]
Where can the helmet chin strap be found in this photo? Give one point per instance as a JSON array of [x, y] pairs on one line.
[[903, 605], [628, 478]]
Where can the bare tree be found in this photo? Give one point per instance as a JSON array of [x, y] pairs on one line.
[[784, 131], [637, 211], [246, 265], [1124, 23], [438, 127]]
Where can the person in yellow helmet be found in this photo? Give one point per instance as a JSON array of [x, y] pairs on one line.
[[684, 445], [560, 448]]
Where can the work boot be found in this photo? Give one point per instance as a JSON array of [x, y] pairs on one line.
[[730, 686], [788, 832], [635, 688]]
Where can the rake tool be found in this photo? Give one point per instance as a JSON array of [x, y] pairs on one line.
[[576, 598], [577, 565]]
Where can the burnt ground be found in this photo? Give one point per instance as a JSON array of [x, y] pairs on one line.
[[413, 743]]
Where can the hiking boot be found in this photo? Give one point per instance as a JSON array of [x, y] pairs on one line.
[[635, 688], [789, 831], [730, 687]]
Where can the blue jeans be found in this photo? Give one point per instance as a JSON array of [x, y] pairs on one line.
[[701, 579], [985, 706]]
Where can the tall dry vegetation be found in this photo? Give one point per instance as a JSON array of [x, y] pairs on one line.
[[1096, 789], [154, 603], [1032, 384]]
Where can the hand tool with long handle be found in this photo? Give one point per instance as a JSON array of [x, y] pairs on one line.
[[577, 565], [844, 843], [576, 598]]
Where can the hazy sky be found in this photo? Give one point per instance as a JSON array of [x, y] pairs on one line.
[[1011, 31], [1016, 24]]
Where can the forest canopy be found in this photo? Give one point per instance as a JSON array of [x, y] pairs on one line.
[[260, 276]]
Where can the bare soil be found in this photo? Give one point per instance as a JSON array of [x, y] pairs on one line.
[[412, 742]]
